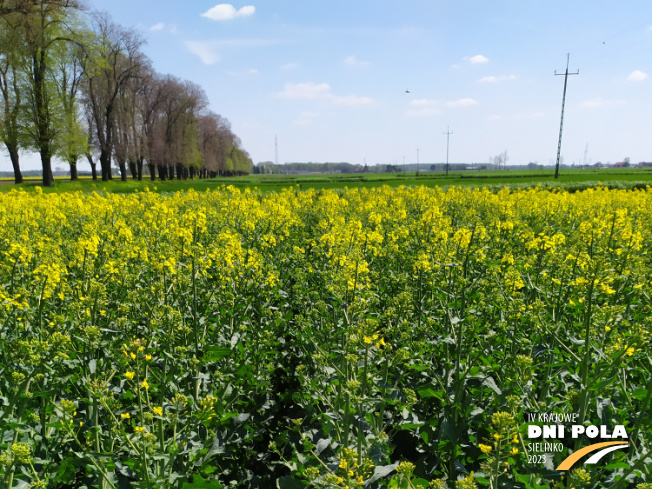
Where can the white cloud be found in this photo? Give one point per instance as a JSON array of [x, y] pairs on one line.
[[210, 51], [162, 26], [247, 11], [289, 66], [320, 91], [226, 11], [353, 61], [478, 59], [207, 51], [494, 79], [462, 102], [637, 76], [599, 102]]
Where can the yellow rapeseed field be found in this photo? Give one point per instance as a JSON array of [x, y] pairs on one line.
[[350, 338]]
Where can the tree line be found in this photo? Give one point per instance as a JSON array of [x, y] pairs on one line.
[[76, 85], [265, 167]]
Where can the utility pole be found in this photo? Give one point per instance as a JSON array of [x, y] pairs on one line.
[[586, 152], [563, 102], [448, 137]]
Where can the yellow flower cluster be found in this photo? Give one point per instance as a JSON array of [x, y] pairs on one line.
[[126, 287]]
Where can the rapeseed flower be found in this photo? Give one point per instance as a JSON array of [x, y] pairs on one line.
[[485, 448]]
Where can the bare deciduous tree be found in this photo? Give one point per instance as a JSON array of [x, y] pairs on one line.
[[113, 58]]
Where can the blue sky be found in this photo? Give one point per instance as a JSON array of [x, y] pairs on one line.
[[329, 78]]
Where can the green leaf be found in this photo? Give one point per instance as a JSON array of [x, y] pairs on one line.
[[322, 445], [418, 368], [199, 483], [215, 353], [640, 394], [420, 482], [491, 383], [430, 393], [382, 471], [287, 482]]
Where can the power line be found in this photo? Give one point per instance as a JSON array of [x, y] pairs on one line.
[[563, 102]]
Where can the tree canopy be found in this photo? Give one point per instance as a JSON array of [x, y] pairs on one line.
[[73, 83]]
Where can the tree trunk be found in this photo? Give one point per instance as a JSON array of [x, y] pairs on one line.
[[139, 169], [192, 173], [179, 171], [171, 172], [46, 161], [123, 170], [133, 170], [162, 170], [152, 171], [13, 154], [42, 115], [73, 171], [93, 166], [105, 163]]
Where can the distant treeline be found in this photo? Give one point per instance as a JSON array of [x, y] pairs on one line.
[[76, 86], [267, 167]]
